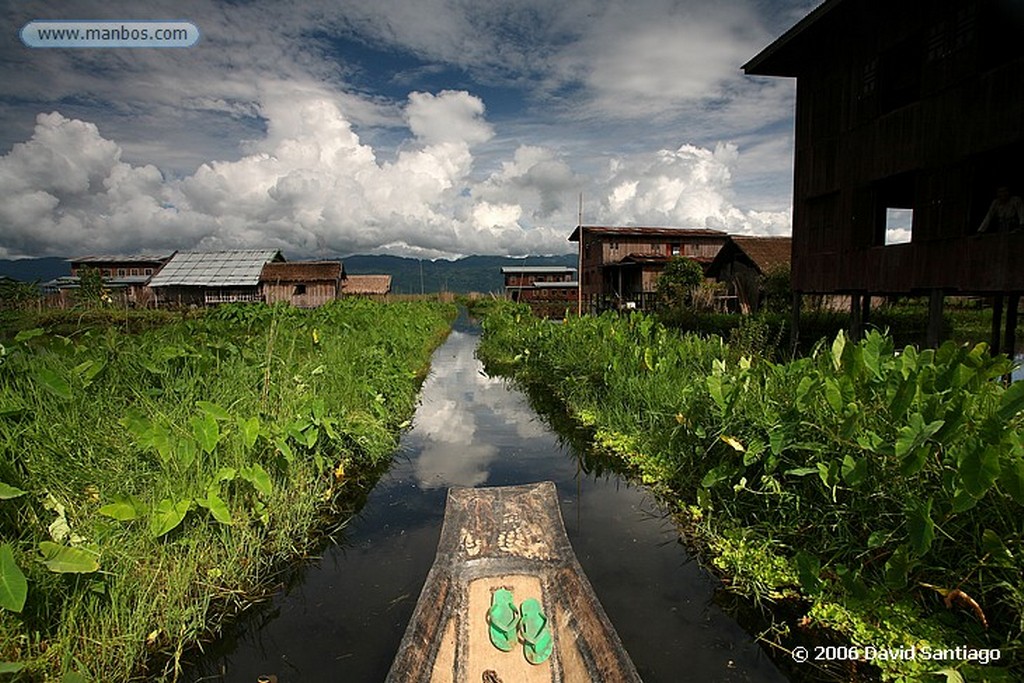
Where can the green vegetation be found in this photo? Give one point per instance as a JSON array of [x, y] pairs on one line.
[[154, 483], [883, 488]]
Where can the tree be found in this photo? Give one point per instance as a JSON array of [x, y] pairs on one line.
[[91, 290], [678, 281]]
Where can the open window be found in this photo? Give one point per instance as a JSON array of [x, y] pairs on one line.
[[299, 290], [895, 210]]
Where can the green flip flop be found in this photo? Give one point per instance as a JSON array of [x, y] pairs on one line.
[[503, 620], [534, 631]]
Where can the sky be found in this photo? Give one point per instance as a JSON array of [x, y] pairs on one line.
[[426, 128]]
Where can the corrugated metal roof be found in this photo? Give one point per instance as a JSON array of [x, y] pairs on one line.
[[646, 232], [215, 268], [302, 271], [509, 270], [121, 258]]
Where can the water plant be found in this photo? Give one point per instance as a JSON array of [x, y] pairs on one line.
[[883, 486], [154, 482]]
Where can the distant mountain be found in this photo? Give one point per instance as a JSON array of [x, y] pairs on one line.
[[408, 275], [33, 269], [467, 274]]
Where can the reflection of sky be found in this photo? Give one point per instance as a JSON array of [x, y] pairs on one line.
[[464, 419]]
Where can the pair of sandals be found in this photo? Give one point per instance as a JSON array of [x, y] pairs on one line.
[[507, 626]]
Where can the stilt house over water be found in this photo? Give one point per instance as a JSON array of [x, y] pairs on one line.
[[909, 128]]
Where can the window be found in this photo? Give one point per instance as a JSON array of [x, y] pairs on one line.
[[299, 290], [674, 249], [898, 225], [120, 272], [614, 246], [894, 208], [149, 271]]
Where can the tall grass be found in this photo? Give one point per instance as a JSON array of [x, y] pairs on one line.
[[160, 481], [885, 488]]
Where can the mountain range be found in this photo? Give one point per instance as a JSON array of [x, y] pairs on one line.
[[408, 275]]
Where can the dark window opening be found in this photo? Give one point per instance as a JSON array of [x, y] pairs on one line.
[[999, 168], [900, 75], [299, 290]]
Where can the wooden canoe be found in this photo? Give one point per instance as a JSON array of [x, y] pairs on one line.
[[511, 537]]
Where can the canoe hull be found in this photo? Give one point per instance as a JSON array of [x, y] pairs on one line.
[[506, 537]]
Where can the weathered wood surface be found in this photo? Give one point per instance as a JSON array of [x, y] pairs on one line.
[[510, 537]]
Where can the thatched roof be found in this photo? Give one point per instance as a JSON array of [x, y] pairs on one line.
[[366, 284], [764, 252], [302, 271]]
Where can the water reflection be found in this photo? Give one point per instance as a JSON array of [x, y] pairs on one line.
[[344, 618]]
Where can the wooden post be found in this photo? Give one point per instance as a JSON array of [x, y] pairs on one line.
[[865, 314], [794, 323], [997, 323], [855, 316], [1010, 339], [934, 336]]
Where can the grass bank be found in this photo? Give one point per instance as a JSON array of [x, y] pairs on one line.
[[876, 494], [154, 482]]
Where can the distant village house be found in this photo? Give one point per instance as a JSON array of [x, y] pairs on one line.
[[620, 266], [743, 261]]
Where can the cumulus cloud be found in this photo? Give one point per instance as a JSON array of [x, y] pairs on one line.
[[312, 184]]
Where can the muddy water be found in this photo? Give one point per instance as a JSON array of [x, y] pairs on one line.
[[344, 617]]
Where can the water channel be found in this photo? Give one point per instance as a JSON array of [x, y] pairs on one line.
[[343, 619]]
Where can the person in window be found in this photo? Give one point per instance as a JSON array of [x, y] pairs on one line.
[[1006, 213]]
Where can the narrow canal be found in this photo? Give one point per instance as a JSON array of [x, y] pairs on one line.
[[344, 617]]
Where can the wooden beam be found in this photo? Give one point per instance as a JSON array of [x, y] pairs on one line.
[[794, 323], [856, 324], [935, 301], [1010, 338], [997, 323]]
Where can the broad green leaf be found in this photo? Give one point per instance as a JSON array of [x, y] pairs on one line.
[[855, 470], [902, 399], [833, 395], [286, 450], [123, 509], [63, 559], [897, 568], [837, 350], [74, 677], [226, 474], [185, 452], [167, 516], [714, 383], [979, 468], [13, 584], [53, 383], [921, 527], [996, 549], [808, 569], [1012, 402], [963, 501], [206, 431], [1011, 479], [26, 335], [952, 675], [777, 441], [7, 491], [258, 477], [802, 471], [914, 461], [11, 667], [218, 508], [250, 431], [213, 410]]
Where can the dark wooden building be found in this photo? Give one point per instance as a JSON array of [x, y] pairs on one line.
[[373, 286], [743, 260], [620, 266], [305, 284], [909, 116], [548, 290]]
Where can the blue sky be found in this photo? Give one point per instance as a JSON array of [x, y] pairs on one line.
[[432, 128]]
